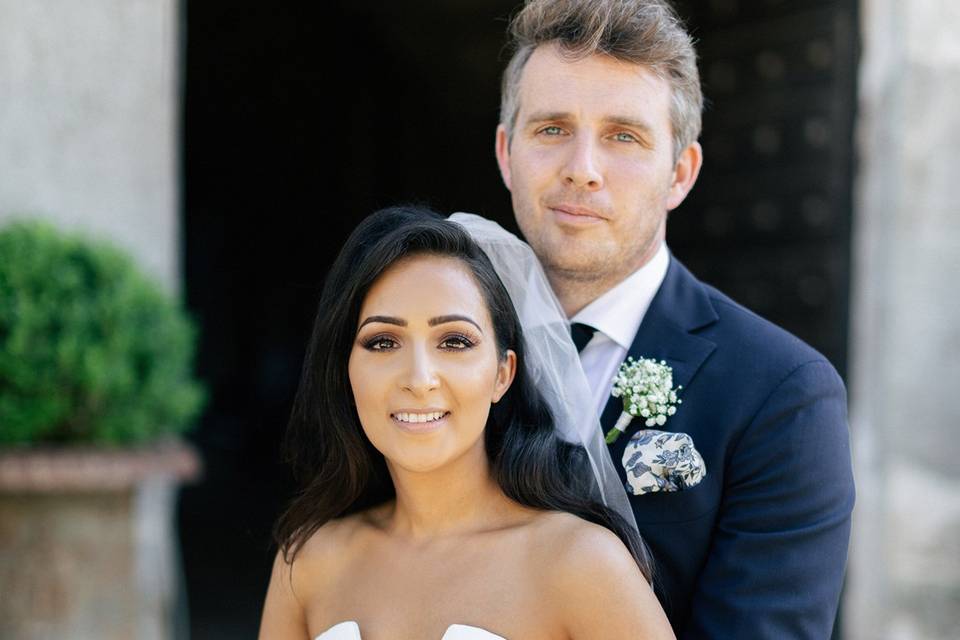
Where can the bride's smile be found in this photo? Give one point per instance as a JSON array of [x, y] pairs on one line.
[[414, 422]]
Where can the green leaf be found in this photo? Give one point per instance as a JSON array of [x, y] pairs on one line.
[[91, 350]]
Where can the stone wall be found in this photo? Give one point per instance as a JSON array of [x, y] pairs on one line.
[[904, 576], [88, 121], [89, 110]]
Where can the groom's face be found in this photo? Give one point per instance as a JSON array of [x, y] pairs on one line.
[[590, 165]]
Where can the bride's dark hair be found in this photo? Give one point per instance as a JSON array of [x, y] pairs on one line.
[[338, 469]]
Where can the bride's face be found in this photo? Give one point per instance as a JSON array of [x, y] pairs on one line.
[[424, 367]]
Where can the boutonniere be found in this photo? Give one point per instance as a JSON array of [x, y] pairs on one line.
[[646, 387]]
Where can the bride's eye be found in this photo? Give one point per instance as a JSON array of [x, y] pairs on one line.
[[380, 343], [456, 342]]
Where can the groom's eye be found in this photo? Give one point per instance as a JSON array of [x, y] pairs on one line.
[[551, 130]]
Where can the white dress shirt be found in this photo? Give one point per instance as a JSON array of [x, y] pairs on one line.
[[616, 315]]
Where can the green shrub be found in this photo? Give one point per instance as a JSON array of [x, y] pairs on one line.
[[91, 351]]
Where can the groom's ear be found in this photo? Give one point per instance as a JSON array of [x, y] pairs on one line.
[[502, 148], [685, 173], [506, 370]]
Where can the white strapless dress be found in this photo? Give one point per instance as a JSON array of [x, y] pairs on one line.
[[351, 631]]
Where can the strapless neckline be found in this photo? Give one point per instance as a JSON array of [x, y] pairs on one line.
[[350, 630]]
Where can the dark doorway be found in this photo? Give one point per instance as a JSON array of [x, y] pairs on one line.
[[769, 220], [300, 119]]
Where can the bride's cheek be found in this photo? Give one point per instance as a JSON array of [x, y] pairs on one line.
[[472, 374], [476, 386]]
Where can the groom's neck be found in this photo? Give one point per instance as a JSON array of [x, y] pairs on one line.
[[575, 292], [576, 288]]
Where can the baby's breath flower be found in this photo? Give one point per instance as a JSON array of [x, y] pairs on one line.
[[646, 387]]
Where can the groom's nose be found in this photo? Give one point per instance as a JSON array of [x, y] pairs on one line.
[[581, 166]]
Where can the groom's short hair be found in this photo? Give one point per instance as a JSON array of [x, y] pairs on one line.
[[644, 32]]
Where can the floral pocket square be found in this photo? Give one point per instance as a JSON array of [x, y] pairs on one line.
[[662, 461]]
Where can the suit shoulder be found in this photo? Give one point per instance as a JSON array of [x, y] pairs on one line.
[[739, 330]]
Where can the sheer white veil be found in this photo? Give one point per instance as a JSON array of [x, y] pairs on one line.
[[552, 361]]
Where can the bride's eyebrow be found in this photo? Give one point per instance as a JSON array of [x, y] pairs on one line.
[[400, 322], [453, 318], [384, 319]]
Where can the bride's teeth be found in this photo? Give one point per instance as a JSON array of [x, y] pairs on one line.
[[420, 417]]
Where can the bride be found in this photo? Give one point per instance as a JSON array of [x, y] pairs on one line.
[[441, 500]]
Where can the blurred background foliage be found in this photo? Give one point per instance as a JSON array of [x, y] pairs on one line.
[[91, 350]]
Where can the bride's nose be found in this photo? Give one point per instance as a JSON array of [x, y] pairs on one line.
[[420, 374]]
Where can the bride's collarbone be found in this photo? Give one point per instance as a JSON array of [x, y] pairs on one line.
[[442, 570], [374, 542], [522, 553]]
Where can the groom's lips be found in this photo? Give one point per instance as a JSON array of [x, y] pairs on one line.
[[574, 214]]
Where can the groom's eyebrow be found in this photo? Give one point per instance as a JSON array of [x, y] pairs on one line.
[[548, 116], [614, 119]]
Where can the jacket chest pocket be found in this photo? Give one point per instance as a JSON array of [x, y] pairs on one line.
[[678, 506]]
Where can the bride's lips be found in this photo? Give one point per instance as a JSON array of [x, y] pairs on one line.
[[419, 420], [575, 215]]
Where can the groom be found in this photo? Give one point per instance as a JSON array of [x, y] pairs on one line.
[[600, 116]]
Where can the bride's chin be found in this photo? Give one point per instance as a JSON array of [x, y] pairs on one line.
[[418, 465], [421, 458]]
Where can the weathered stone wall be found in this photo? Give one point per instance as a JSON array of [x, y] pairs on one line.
[[904, 576], [89, 108], [88, 121]]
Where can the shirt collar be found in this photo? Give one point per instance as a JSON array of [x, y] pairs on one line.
[[618, 313]]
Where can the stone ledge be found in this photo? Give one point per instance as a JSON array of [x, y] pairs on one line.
[[73, 469]]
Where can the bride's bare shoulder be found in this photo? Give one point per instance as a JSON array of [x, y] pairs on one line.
[[308, 572], [569, 539], [337, 540], [581, 559]]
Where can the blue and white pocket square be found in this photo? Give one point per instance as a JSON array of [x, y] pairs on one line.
[[662, 461]]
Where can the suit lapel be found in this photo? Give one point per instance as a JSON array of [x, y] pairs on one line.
[[680, 306]]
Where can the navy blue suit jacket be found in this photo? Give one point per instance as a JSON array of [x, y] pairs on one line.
[[756, 550]]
